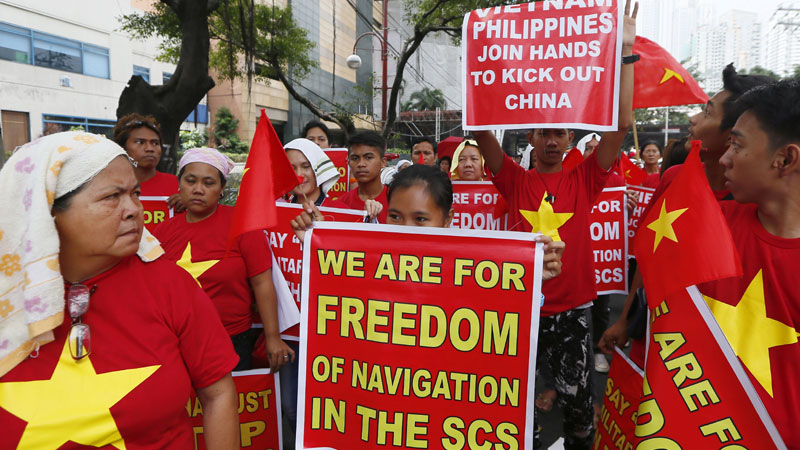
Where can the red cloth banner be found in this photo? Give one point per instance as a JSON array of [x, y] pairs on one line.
[[418, 338], [645, 195], [696, 394], [609, 231], [478, 205], [268, 174], [259, 397], [660, 80], [286, 247], [155, 210], [553, 64], [615, 429], [338, 157]]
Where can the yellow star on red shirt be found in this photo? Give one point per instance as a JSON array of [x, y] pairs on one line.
[[73, 405], [750, 332], [195, 269], [545, 220], [663, 224]]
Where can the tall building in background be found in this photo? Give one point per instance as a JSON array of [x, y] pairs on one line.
[[783, 39], [734, 37]]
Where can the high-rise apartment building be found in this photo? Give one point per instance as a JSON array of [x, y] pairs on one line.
[[783, 39]]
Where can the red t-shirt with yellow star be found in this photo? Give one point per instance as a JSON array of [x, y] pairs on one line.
[[566, 219], [765, 304], [200, 248], [351, 200], [155, 335], [161, 185]]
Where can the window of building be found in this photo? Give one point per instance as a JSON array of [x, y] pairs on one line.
[[165, 76], [143, 72], [27, 46], [15, 44], [55, 124], [202, 114]]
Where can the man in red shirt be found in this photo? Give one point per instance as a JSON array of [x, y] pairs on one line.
[[140, 136], [559, 204], [366, 156], [759, 312], [712, 126], [424, 147]]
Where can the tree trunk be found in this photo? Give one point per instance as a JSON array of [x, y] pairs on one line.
[[171, 103]]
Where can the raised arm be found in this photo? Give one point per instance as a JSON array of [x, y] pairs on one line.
[[490, 149], [611, 142]]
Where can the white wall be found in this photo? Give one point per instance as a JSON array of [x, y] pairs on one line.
[[38, 91]]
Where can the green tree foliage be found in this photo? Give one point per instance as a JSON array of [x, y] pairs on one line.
[[193, 139], [225, 126], [425, 100], [236, 26], [758, 70], [252, 41]]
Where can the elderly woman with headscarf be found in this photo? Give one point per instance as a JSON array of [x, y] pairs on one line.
[[318, 172], [587, 144], [234, 277], [467, 162], [93, 324]]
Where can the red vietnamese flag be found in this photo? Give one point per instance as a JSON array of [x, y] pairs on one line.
[[684, 239], [267, 175], [573, 158], [659, 80], [696, 395], [633, 174]]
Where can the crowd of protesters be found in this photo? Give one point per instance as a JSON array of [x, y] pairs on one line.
[[185, 307]]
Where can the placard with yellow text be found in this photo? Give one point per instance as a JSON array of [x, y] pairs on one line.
[[417, 337]]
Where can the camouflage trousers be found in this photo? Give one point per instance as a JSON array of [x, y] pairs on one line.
[[565, 348]]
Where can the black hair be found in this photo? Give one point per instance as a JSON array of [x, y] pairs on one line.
[[444, 158], [316, 124], [127, 123], [370, 139], [222, 179], [425, 139], [436, 182], [658, 146], [62, 203], [737, 85], [675, 153], [777, 108]]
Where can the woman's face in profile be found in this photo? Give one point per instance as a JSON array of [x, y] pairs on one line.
[[105, 218]]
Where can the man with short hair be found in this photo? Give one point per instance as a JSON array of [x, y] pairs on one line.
[[711, 126], [425, 147], [760, 311], [366, 156]]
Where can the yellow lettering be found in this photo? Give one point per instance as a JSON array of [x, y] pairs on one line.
[[374, 320], [702, 391]]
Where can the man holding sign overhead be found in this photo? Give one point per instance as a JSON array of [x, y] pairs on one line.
[[548, 200]]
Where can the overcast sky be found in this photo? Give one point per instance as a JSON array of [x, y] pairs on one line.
[[764, 8]]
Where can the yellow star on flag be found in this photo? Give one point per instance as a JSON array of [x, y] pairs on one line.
[[750, 332], [663, 225], [73, 405], [195, 269], [545, 220], [669, 74]]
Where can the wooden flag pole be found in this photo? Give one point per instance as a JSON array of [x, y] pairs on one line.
[[635, 136]]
